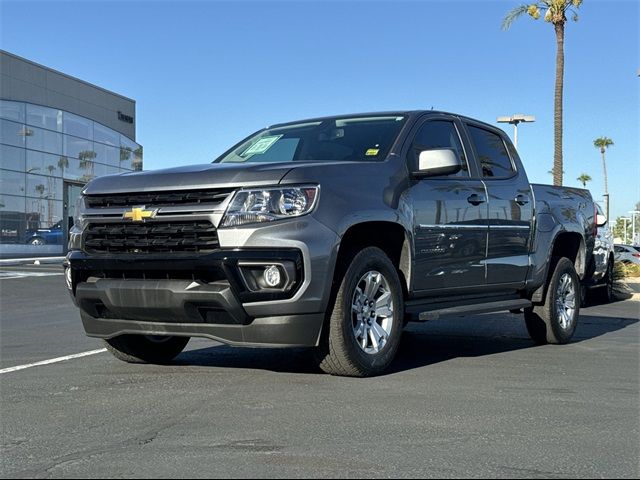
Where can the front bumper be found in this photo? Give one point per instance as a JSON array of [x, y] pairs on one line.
[[186, 295]]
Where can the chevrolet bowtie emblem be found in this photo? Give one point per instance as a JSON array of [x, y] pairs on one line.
[[139, 214]]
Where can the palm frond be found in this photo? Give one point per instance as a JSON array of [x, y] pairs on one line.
[[513, 15]]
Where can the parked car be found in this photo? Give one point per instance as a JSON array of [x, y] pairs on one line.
[[627, 254], [53, 235], [330, 233]]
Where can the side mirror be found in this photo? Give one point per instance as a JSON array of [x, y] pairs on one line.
[[440, 161], [601, 220]]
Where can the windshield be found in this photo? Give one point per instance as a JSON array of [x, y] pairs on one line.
[[334, 139]]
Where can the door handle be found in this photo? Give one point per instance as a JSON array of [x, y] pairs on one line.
[[476, 199], [522, 199]]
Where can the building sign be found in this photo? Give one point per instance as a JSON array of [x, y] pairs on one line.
[[125, 118]]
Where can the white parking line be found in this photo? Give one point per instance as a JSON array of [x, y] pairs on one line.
[[53, 360], [7, 274]]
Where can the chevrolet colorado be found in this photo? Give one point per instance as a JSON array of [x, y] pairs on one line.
[[329, 233]]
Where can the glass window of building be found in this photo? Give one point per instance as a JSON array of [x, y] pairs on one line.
[[12, 133], [44, 140], [44, 117], [77, 126], [45, 163], [104, 134], [42, 213], [12, 110], [12, 219], [106, 154], [130, 154], [12, 158], [78, 148], [12, 183], [44, 187]]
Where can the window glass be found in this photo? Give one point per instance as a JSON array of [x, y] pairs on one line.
[[78, 126], [78, 148], [12, 158], [440, 134], [99, 170], [105, 135], [12, 183], [12, 110], [46, 163], [333, 139], [39, 186], [44, 117], [44, 140], [12, 133], [106, 154], [129, 151], [43, 213], [12, 219], [492, 154], [74, 170]]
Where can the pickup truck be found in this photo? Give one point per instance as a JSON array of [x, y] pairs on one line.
[[330, 233]]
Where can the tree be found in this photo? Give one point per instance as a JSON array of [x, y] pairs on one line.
[[603, 143], [63, 162], [584, 178], [555, 13]]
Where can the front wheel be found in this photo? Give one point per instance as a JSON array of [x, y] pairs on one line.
[[556, 320], [146, 348], [363, 332]]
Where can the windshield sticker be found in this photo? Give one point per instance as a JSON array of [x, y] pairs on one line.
[[262, 145], [372, 152]]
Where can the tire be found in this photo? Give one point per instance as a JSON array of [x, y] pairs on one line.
[[361, 339], [606, 292], [37, 241], [146, 349], [545, 323]]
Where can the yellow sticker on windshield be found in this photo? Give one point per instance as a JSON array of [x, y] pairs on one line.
[[372, 152]]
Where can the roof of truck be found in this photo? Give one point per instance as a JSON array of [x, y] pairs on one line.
[[390, 113]]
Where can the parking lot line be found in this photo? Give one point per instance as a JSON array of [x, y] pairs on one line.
[[8, 274], [53, 360]]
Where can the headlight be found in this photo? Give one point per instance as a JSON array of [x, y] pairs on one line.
[[77, 212], [269, 204]]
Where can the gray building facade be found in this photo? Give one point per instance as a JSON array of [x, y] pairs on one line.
[[56, 133]]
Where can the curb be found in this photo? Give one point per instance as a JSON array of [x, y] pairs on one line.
[[8, 262]]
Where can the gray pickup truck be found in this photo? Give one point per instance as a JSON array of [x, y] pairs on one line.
[[329, 233]]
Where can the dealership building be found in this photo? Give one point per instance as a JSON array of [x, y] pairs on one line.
[[57, 133]]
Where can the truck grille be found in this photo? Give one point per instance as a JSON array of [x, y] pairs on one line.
[[159, 199], [153, 237]]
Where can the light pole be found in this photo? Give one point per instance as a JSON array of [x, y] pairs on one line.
[[515, 120], [625, 220]]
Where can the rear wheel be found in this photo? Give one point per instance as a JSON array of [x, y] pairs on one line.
[[363, 331], [146, 348], [556, 320], [606, 292]]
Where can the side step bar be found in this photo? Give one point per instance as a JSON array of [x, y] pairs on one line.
[[477, 308]]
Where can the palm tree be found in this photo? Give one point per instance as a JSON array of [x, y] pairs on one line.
[[603, 143], [555, 13], [584, 178], [63, 163]]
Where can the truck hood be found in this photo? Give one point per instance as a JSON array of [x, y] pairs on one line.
[[210, 175]]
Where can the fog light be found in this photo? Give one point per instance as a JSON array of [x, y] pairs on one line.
[[67, 277], [272, 276]]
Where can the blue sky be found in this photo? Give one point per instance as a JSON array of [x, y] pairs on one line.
[[205, 74]]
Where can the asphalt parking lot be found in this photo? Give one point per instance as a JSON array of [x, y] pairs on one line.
[[465, 398]]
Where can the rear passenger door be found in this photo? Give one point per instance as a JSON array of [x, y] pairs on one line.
[[510, 205]]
